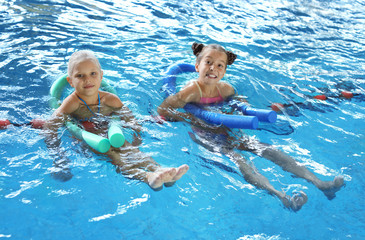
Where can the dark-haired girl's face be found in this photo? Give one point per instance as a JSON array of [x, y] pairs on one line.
[[212, 66]]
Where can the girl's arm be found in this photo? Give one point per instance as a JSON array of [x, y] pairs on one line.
[[125, 114], [57, 120], [169, 108], [52, 140], [132, 123]]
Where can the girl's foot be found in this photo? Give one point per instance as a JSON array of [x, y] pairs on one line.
[[296, 202], [158, 178], [330, 188], [180, 171], [62, 174]]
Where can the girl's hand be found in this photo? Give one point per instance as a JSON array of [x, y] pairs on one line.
[[137, 139]]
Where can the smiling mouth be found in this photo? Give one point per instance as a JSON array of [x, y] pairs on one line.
[[89, 86], [211, 76]]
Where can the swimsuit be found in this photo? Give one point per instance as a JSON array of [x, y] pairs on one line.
[[88, 123], [210, 140], [209, 100], [94, 115]]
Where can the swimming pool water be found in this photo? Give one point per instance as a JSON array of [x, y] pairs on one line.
[[289, 51]]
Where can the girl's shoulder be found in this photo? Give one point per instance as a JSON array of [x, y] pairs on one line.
[[190, 93], [110, 99], [226, 89], [69, 105]]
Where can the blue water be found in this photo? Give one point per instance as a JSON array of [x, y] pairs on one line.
[[289, 51]]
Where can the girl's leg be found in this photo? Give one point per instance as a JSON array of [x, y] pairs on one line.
[[135, 164], [289, 164], [252, 176], [61, 170]]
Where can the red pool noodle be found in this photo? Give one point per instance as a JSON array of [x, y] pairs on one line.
[[277, 107], [4, 123], [320, 97], [347, 95]]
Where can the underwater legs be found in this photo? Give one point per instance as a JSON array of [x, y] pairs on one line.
[[252, 176], [329, 188], [289, 164]]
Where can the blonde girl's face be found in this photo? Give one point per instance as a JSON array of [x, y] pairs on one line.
[[86, 78], [212, 67]]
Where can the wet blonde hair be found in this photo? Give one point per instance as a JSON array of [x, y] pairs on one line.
[[81, 56]]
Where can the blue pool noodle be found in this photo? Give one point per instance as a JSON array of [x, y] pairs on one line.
[[169, 82], [262, 114], [231, 121]]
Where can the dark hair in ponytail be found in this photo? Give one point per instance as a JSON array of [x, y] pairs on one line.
[[199, 48]]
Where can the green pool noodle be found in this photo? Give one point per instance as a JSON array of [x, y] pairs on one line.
[[105, 85], [97, 142], [115, 134], [56, 91]]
